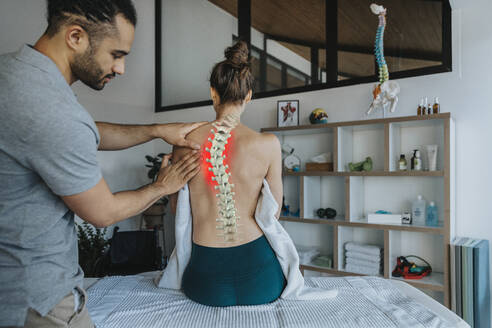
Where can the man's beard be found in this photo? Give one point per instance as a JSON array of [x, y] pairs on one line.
[[87, 70]]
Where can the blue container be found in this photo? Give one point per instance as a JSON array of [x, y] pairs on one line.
[[432, 217]]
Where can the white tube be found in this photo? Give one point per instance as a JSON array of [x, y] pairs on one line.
[[432, 156]]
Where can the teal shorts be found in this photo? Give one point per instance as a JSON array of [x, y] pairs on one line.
[[247, 274]]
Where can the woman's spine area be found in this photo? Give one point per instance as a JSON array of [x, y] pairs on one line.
[[228, 218]]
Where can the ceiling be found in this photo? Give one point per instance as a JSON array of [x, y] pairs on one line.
[[413, 36]]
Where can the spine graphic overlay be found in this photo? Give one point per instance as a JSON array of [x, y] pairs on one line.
[[228, 217]]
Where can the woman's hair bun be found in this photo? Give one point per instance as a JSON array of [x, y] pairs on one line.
[[238, 54], [232, 78]]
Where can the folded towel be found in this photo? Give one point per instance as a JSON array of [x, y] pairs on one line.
[[306, 254], [365, 264], [279, 239], [364, 249], [362, 270], [362, 256]]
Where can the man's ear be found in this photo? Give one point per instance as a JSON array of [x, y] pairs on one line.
[[76, 38]]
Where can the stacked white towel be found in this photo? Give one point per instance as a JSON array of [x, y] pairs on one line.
[[363, 259], [306, 254]]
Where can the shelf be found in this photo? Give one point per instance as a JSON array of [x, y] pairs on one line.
[[348, 273], [355, 194], [363, 224], [316, 128], [368, 174], [432, 282], [312, 267]]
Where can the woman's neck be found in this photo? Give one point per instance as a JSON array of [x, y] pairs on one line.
[[231, 115]]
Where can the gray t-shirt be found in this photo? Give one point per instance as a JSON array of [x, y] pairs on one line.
[[48, 148]]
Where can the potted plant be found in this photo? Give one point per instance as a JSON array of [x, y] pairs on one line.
[[153, 215], [92, 248]]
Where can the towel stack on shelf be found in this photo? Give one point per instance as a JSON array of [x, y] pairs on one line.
[[363, 259], [306, 254]]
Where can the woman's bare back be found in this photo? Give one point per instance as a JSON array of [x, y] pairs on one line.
[[249, 156]]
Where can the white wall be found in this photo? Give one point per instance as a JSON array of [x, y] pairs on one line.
[[23, 21]]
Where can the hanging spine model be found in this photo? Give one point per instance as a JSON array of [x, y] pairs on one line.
[[379, 45], [385, 92], [228, 218]]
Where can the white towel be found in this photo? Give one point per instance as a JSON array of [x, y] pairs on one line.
[[278, 238], [365, 264], [361, 270], [362, 256], [364, 249]]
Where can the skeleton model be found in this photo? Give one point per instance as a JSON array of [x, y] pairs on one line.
[[385, 92], [227, 210]]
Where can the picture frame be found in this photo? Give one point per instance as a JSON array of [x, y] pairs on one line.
[[287, 113]]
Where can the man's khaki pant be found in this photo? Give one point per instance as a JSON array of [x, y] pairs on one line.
[[62, 315]]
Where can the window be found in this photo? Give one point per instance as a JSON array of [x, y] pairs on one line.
[[295, 46]]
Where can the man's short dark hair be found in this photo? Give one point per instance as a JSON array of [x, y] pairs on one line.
[[93, 15]]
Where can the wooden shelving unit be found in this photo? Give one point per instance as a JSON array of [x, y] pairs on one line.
[[355, 194]]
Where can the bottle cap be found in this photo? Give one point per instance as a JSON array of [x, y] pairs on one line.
[[432, 204], [419, 197], [436, 100], [417, 153], [402, 156]]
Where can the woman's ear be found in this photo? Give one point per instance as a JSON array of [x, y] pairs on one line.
[[249, 96], [215, 96]]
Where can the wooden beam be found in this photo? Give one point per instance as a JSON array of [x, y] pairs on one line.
[[244, 21], [331, 18]]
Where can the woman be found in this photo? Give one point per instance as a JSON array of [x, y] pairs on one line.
[[231, 262]]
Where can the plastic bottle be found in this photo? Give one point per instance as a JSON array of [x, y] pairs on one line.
[[418, 211], [418, 161], [432, 218], [412, 161]]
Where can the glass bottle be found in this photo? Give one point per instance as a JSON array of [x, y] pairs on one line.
[[402, 163], [436, 109], [419, 109], [424, 107]]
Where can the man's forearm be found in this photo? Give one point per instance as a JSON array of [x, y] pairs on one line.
[[120, 136], [130, 203]]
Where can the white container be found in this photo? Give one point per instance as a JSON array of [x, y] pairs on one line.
[[432, 156], [384, 218], [418, 161], [418, 211]]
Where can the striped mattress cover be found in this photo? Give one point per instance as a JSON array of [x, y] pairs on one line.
[[135, 301]]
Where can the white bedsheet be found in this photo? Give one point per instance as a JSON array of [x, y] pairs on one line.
[[135, 301]]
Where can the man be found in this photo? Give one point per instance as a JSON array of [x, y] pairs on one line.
[[48, 165]]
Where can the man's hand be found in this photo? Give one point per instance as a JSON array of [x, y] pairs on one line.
[[173, 177], [175, 133]]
